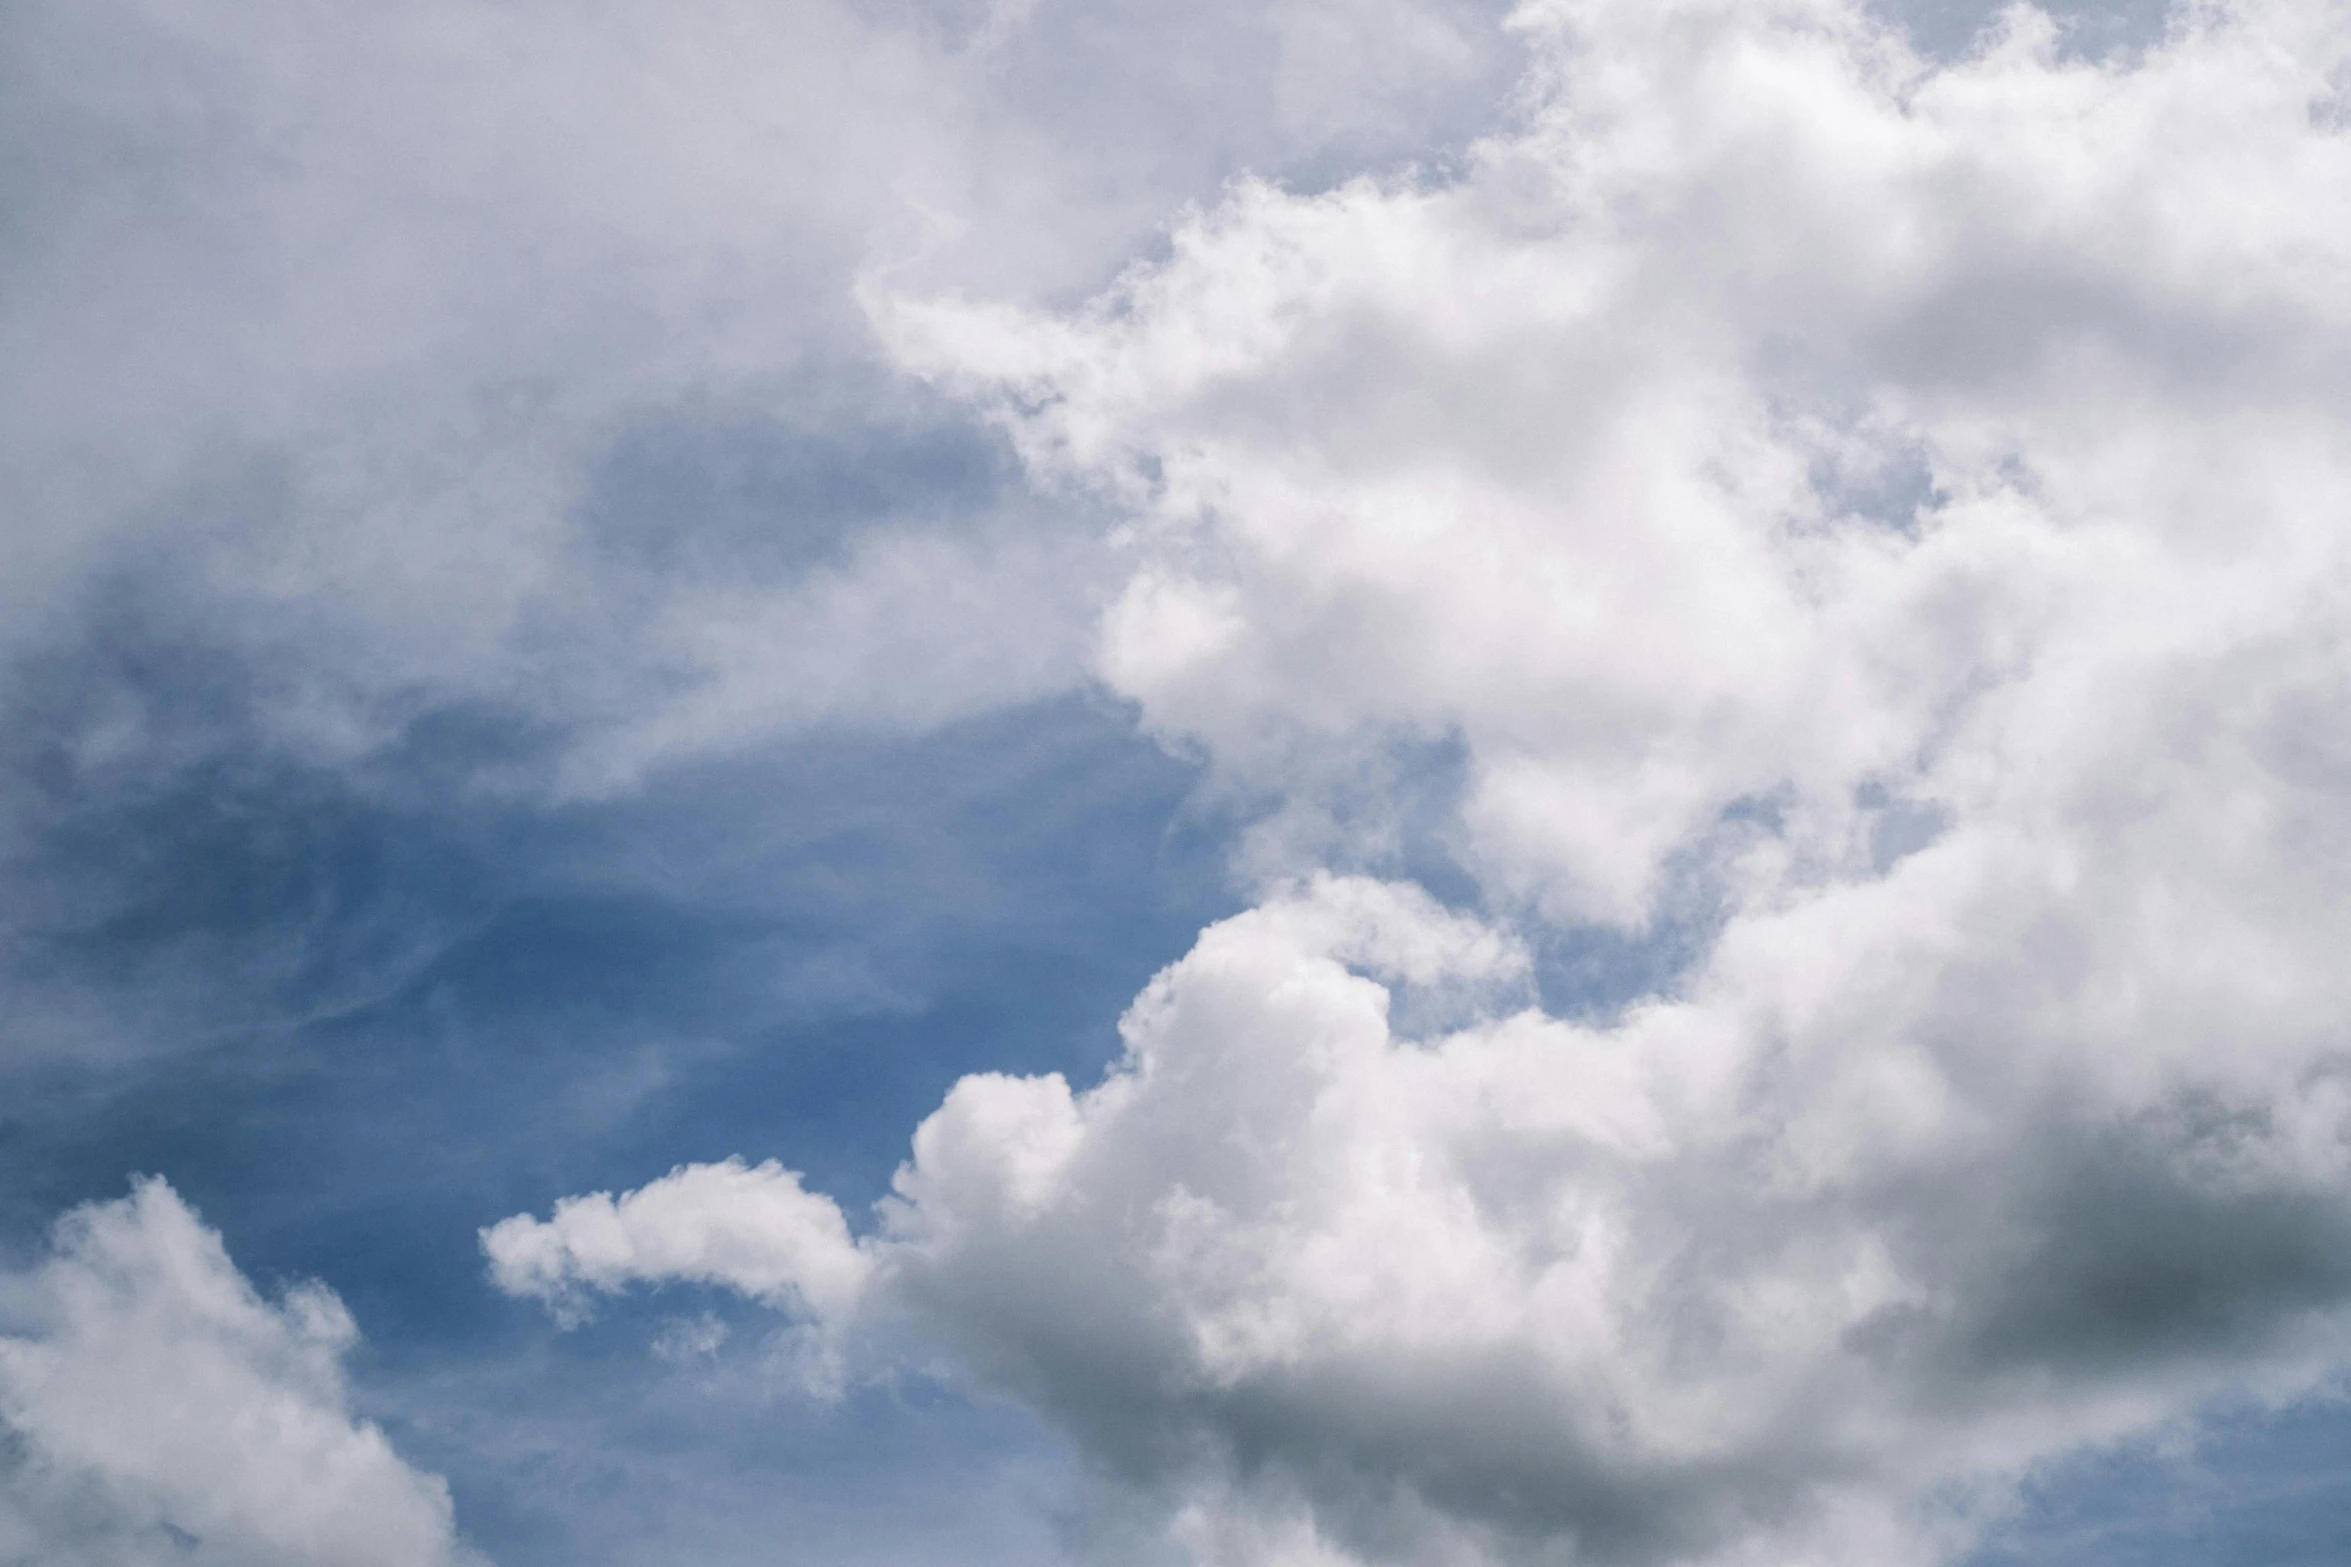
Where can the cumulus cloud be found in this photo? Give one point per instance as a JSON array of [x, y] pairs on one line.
[[756, 1230], [154, 1408], [1734, 432], [1670, 1291], [1883, 512]]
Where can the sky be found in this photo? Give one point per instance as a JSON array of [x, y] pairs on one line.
[[1321, 783]]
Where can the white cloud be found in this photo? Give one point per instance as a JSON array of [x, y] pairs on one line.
[[1606, 460], [331, 324], [155, 1409], [1893, 508], [754, 1229]]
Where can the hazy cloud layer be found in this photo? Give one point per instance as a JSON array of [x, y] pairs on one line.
[[155, 1409], [449, 400], [342, 330], [1891, 507]]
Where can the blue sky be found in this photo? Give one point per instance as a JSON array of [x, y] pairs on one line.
[[1462, 785]]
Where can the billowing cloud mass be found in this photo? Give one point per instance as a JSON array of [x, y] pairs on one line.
[[1876, 524], [155, 1409]]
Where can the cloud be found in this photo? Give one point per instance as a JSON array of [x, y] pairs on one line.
[[331, 329], [154, 1408], [450, 372], [1496, 1293], [1890, 507], [753, 1229], [1730, 434], [341, 322]]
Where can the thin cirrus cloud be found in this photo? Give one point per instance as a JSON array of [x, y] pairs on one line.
[[1891, 503]]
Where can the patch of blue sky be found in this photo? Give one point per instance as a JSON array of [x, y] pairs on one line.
[[2088, 29], [782, 946], [770, 486], [789, 954], [2249, 1487]]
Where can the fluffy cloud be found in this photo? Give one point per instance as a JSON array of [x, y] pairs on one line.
[[155, 1409], [1690, 1288], [1884, 515], [757, 1230], [1736, 432]]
